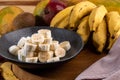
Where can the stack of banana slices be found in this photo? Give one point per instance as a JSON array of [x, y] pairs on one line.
[[87, 19]]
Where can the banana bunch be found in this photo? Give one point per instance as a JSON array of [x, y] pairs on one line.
[[86, 18]]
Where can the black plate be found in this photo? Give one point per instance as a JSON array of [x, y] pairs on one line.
[[58, 34]]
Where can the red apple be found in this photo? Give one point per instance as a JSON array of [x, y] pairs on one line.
[[45, 13]]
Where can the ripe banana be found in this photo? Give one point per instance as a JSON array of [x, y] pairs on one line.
[[83, 29], [113, 20], [61, 16], [96, 17], [80, 10], [100, 36], [63, 23]]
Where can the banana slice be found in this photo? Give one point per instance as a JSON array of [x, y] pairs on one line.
[[28, 39], [30, 54], [47, 41], [54, 59], [31, 59], [44, 47], [14, 50], [37, 38], [60, 52], [21, 56], [45, 32], [29, 47], [96, 17], [54, 45], [65, 45], [44, 56], [21, 42]]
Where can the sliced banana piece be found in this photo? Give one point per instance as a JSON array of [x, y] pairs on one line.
[[47, 41], [37, 38], [45, 32], [60, 52], [96, 17], [14, 50], [44, 47], [21, 42], [54, 59], [29, 47], [30, 54], [21, 56], [54, 45], [31, 59], [65, 45], [44, 56]]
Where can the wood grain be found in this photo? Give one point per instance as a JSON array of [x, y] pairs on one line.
[[19, 2]]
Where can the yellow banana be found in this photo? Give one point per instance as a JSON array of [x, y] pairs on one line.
[[113, 20], [60, 16], [80, 10], [63, 23], [100, 36], [96, 17], [83, 29]]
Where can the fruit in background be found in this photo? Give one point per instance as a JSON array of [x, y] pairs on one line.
[[109, 4], [23, 20], [7, 15], [79, 11], [60, 20], [46, 10]]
